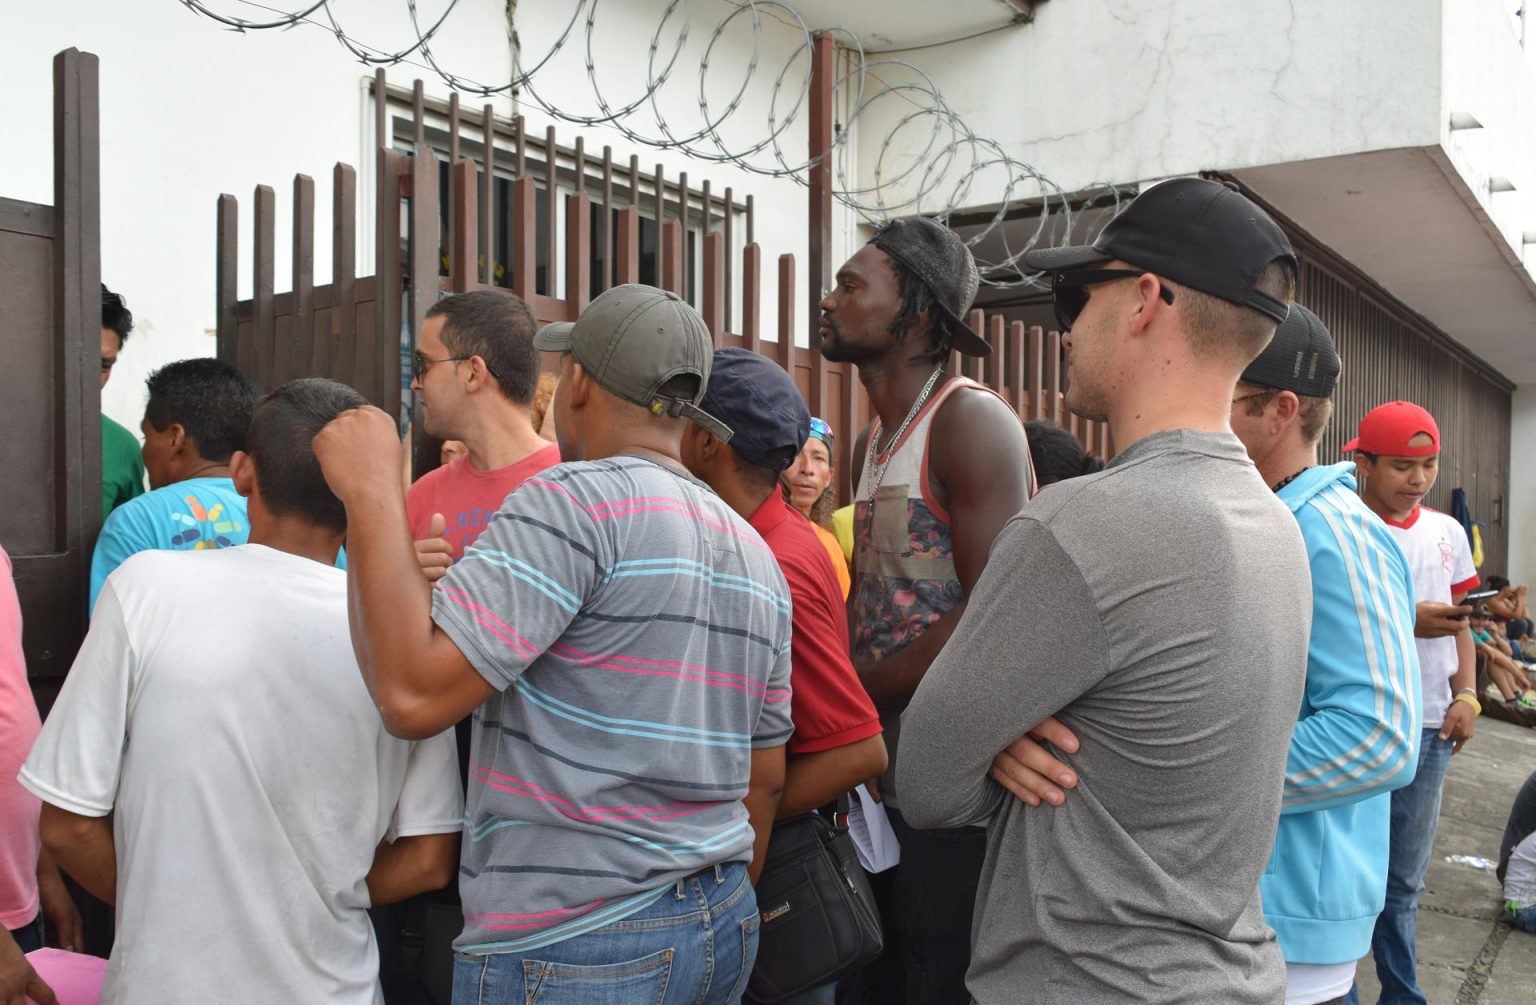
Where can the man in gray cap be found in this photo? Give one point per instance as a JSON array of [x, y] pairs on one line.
[[937, 474], [1160, 609], [622, 637]]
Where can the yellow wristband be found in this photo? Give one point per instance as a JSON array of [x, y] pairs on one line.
[[1470, 699]]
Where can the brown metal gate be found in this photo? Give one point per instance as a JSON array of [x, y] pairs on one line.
[[502, 225]]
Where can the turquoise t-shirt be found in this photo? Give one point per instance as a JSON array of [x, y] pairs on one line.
[[193, 515]]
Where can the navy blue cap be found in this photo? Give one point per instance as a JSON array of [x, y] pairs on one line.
[[760, 402]]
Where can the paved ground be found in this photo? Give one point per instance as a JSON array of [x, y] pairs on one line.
[[1466, 954]]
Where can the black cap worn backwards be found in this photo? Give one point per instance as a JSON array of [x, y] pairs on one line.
[[760, 402], [1202, 234], [1300, 358], [944, 264]]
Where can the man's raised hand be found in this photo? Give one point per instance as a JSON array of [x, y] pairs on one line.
[[359, 454], [433, 553]]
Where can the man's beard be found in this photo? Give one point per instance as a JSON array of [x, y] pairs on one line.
[[836, 348]]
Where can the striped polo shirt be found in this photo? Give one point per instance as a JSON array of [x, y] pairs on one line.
[[637, 633]]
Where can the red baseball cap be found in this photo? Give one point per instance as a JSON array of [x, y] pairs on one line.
[[1386, 430]]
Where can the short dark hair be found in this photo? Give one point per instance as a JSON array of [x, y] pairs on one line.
[[759, 477], [282, 431], [916, 298], [115, 313], [1056, 453], [211, 399], [498, 327]]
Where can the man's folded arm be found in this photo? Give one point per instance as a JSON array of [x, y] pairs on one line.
[[1029, 644]]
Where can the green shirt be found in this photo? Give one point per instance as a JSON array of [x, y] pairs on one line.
[[122, 466]]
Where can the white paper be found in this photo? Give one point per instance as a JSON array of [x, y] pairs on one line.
[[871, 831]]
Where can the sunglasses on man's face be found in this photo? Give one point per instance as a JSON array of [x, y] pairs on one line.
[[1069, 290]]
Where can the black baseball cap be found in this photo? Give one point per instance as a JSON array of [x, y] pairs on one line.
[[761, 403], [632, 340], [1203, 234], [1300, 358], [944, 264]]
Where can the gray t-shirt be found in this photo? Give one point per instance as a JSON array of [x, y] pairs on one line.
[[1161, 608], [637, 633]]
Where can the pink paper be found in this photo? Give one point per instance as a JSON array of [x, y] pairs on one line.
[[74, 977]]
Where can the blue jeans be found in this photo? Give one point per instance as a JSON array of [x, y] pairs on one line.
[[1415, 814], [694, 945], [30, 936], [1523, 918]]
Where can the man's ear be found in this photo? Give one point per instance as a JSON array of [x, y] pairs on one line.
[[1287, 407], [242, 470], [577, 388], [177, 438]]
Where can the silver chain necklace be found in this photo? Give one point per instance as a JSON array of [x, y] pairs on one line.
[[876, 470]]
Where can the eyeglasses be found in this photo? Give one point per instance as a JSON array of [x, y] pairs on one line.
[[421, 364], [1069, 290], [821, 431]]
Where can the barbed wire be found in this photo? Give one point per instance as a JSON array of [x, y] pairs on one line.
[[929, 160]]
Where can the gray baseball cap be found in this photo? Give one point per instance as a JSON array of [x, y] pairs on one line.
[[632, 340]]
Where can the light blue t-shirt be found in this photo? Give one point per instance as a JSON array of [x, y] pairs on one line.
[[194, 515]]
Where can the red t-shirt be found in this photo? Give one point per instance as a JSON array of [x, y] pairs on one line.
[[830, 707], [467, 496]]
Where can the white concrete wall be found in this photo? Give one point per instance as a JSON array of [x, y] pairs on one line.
[[1488, 73], [189, 110], [1131, 90], [1520, 508]]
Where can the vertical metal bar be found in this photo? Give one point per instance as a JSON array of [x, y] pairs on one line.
[[787, 313], [306, 355], [388, 285], [1016, 351], [453, 128], [226, 269], [579, 163], [819, 180], [607, 218], [264, 345], [487, 250], [463, 267], [730, 258], [418, 114], [426, 254], [551, 205], [520, 146], [660, 184], [626, 266], [381, 135], [343, 341], [77, 318], [714, 285], [752, 298], [578, 251], [994, 362], [1053, 377], [524, 241], [672, 257], [1036, 372]]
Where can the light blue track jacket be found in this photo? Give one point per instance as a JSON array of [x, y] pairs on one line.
[[1358, 733]]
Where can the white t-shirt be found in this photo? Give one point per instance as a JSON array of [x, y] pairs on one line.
[[217, 709], [1441, 562], [1313, 983]]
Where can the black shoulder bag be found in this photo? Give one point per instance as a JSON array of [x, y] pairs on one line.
[[819, 920]]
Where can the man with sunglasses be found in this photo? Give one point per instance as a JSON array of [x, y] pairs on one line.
[[1160, 608], [474, 373], [938, 473]]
